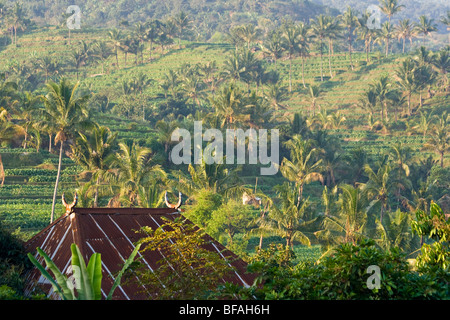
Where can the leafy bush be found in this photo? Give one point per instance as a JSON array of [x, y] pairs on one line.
[[343, 276]]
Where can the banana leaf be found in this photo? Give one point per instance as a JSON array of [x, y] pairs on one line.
[[81, 275], [94, 269], [124, 268], [60, 284]]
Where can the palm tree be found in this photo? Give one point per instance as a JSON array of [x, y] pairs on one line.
[[291, 43], [441, 62], [390, 7], [319, 30], [349, 22], [439, 141], [276, 95], [115, 37], [386, 34], [368, 101], [229, 105], [353, 213], [47, 64], [394, 231], [65, 109], [303, 167], [134, 171], [313, 95], [18, 19], [182, 23], [383, 90], [446, 21], [153, 32], [425, 27], [405, 30], [80, 55], [164, 130], [406, 79], [102, 52], [290, 220], [425, 123], [26, 111], [273, 46], [249, 33], [216, 178], [8, 131], [380, 185], [92, 151], [365, 33], [333, 30]]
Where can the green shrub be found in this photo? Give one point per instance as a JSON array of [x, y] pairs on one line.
[[343, 276]]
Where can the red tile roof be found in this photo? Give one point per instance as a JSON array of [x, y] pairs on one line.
[[112, 233]]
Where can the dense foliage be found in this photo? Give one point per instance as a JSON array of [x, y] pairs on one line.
[[363, 116]]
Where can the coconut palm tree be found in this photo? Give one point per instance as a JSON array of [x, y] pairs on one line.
[[383, 91], [425, 27], [164, 130], [291, 43], [152, 33], [8, 131], [276, 94], [313, 94], [134, 170], [405, 30], [26, 111], [349, 22], [18, 19], [446, 21], [216, 178], [48, 65], [249, 33], [102, 52], [229, 104], [394, 232], [439, 141], [115, 36], [405, 75], [385, 35], [380, 185], [182, 24], [303, 167], [364, 32], [290, 219], [272, 47], [65, 108], [92, 151], [390, 7], [441, 62], [319, 30]]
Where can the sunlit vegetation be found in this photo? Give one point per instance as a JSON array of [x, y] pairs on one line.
[[363, 116]]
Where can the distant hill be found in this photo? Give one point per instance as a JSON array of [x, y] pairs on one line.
[[208, 16]]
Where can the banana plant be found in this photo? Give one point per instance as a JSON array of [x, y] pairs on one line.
[[88, 279]]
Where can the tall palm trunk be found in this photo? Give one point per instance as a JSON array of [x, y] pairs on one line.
[[321, 62], [57, 180], [290, 69], [329, 59], [303, 72]]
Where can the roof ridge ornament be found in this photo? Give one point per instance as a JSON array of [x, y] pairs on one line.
[[69, 207], [173, 206]]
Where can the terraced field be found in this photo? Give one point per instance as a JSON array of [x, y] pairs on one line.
[[25, 199]]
